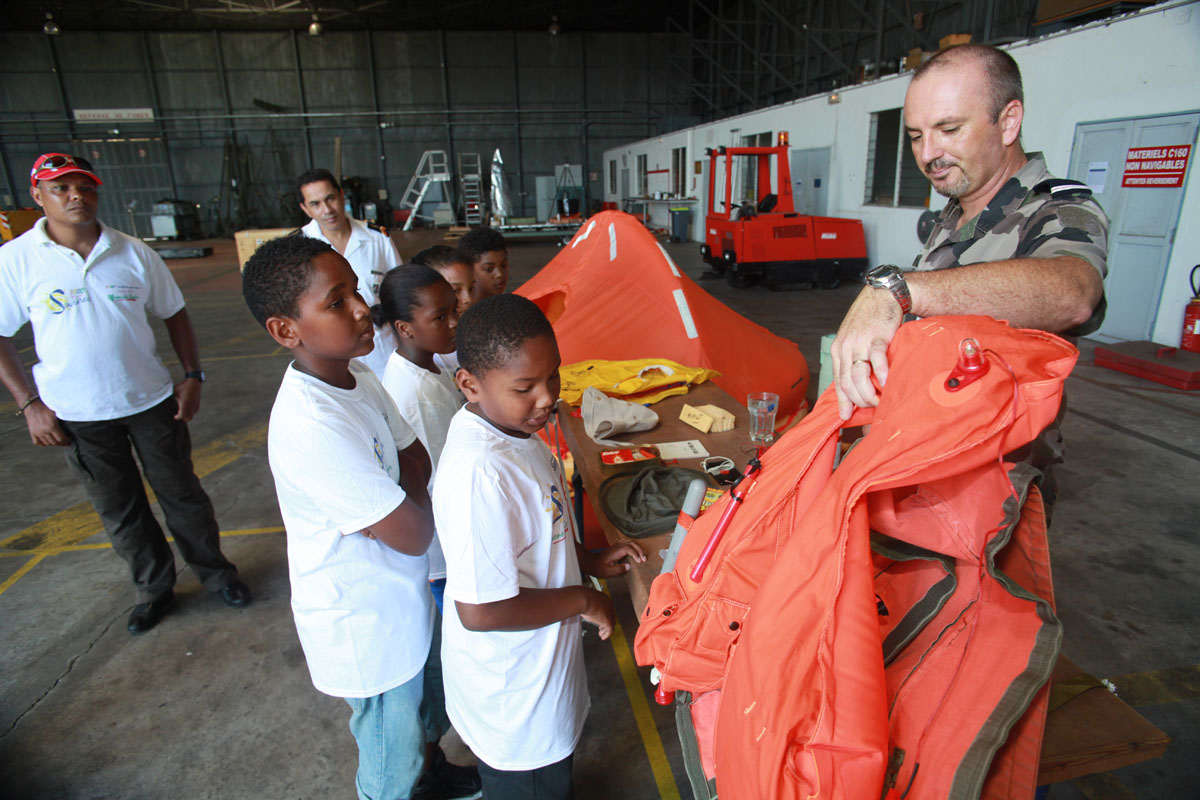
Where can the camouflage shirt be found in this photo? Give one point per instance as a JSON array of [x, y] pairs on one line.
[[1032, 216]]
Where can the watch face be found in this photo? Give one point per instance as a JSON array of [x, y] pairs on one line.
[[882, 272]]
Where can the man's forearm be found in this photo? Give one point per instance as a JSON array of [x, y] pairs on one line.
[[1051, 294], [183, 340], [13, 374]]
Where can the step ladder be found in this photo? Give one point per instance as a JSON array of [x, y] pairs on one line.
[[433, 168], [470, 178]]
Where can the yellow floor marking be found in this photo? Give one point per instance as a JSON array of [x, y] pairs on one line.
[[214, 359], [20, 573], [1159, 686], [71, 526], [663, 776], [1103, 786], [79, 548]]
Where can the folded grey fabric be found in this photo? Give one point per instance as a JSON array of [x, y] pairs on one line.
[[605, 416], [647, 502]]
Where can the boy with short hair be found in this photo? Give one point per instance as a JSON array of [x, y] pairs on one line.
[[489, 257], [512, 653], [350, 476]]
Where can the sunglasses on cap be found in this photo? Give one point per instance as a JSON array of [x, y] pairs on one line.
[[50, 166]]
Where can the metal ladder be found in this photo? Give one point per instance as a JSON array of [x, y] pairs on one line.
[[433, 167], [470, 177]]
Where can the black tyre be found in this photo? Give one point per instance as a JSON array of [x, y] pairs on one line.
[[829, 283], [739, 280]]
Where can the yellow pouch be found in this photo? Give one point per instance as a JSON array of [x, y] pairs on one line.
[[642, 380]]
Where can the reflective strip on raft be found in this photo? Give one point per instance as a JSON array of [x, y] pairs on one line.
[[685, 313], [670, 263], [612, 242], [584, 235]]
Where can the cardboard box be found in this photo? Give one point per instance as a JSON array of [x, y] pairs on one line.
[[953, 40], [249, 240], [916, 57], [14, 223]]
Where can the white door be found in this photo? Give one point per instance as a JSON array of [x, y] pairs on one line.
[[810, 180], [1142, 220]]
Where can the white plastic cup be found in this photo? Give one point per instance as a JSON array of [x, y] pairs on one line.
[[762, 407]]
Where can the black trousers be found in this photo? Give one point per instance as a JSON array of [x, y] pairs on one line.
[[101, 456], [552, 782]]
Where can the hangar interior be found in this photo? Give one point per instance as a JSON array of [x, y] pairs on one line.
[[214, 106]]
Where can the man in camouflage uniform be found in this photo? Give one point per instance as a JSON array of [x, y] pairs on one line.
[[1013, 242]]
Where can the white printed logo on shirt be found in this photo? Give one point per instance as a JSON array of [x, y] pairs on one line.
[[60, 300]]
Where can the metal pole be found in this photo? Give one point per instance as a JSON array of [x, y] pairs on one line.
[[446, 98], [62, 87], [224, 82], [587, 185], [303, 104], [520, 145], [8, 175], [162, 131], [375, 108]]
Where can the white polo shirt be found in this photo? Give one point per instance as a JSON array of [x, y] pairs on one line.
[[97, 358], [371, 256], [363, 611], [518, 698], [427, 402]]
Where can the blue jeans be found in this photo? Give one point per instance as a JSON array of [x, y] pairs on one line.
[[392, 729]]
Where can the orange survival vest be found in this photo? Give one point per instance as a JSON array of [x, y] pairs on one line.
[[885, 628]]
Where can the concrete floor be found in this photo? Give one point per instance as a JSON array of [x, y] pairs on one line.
[[217, 703]]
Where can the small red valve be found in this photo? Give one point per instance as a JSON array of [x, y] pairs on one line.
[[663, 697], [972, 365]]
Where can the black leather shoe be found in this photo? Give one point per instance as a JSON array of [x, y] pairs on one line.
[[146, 615], [236, 594]]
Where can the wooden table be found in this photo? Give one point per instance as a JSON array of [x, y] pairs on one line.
[[734, 444], [1095, 732]]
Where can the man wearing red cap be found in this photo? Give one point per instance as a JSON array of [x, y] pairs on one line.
[[101, 386]]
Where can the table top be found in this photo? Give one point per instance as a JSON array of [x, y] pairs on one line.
[[734, 444]]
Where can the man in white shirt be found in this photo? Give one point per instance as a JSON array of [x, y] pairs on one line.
[[370, 253], [101, 386]]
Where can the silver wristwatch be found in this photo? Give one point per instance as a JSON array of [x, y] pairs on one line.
[[890, 277]]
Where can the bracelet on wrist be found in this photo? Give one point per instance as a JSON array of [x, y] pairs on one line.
[[28, 403]]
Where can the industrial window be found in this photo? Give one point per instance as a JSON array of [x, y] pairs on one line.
[[643, 180], [679, 171], [893, 177], [745, 173], [612, 177]]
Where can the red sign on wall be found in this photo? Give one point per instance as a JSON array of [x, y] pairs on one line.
[[1160, 167]]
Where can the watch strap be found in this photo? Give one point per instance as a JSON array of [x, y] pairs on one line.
[[197, 374]]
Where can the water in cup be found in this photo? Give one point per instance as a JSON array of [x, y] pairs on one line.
[[762, 407]]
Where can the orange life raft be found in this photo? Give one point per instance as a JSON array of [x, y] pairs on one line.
[[884, 628]]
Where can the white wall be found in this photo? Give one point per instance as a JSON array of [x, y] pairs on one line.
[[1139, 65]]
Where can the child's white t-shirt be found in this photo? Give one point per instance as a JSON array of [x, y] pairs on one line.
[[363, 611], [427, 402], [518, 698]]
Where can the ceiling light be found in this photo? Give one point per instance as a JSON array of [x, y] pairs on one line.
[[51, 27], [314, 27], [835, 98], [555, 29]]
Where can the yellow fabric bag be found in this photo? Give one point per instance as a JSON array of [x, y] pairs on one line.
[[642, 380]]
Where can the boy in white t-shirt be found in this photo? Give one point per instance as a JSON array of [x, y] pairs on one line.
[[512, 656], [350, 476]]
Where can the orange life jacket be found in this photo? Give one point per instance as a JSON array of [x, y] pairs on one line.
[[880, 628]]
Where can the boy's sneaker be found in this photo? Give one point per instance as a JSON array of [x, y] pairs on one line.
[[446, 781]]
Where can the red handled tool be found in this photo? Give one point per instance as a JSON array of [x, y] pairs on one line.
[[736, 494]]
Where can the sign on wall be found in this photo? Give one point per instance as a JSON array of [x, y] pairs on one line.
[[1161, 167], [114, 115]]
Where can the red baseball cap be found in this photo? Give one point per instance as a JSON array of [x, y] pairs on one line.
[[53, 165]]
